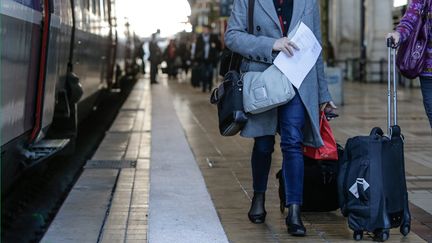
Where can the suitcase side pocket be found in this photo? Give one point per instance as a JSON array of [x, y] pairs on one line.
[[344, 168]]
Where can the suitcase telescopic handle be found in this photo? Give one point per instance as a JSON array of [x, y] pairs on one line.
[[391, 78]]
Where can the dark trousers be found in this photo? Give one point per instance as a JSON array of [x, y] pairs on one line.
[[142, 65], [291, 122], [426, 88], [207, 76], [153, 72], [171, 68]]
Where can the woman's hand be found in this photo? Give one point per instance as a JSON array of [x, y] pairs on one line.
[[395, 36], [286, 46], [328, 107]]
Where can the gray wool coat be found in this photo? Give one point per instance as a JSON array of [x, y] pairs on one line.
[[258, 55]]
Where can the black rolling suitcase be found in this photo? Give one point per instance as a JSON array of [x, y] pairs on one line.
[[196, 75], [372, 185], [320, 190]]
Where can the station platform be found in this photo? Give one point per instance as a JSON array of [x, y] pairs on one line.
[[164, 174]]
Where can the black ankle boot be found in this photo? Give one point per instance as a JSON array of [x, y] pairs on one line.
[[294, 222], [257, 211]]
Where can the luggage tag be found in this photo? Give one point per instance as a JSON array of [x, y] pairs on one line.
[[353, 189]]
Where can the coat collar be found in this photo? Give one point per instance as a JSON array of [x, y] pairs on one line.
[[298, 8], [269, 8]]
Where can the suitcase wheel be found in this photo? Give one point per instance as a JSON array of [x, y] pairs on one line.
[[381, 235], [358, 235], [405, 229]]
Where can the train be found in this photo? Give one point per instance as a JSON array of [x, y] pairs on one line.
[[56, 59]]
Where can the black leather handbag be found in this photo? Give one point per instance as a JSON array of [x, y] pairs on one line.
[[229, 99], [228, 96]]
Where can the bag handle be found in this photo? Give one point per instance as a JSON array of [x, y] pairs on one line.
[[376, 131], [234, 55], [251, 8]]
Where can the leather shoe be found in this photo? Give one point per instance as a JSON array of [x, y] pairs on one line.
[[257, 213], [294, 221]]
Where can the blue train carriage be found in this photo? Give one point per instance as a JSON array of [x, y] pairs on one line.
[[56, 58]]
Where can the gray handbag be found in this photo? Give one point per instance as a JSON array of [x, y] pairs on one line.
[[263, 91]]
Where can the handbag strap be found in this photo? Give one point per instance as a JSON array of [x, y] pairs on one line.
[[251, 8]]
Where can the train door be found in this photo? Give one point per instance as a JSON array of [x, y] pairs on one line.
[[46, 81], [20, 33], [112, 79], [29, 78]]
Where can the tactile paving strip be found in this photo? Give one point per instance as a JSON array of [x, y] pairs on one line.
[[110, 164]]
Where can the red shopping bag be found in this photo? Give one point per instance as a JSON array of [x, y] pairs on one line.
[[329, 150]]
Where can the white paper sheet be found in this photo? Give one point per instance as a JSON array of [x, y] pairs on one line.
[[297, 67]]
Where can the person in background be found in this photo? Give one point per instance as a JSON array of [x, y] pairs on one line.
[[195, 71], [184, 54], [403, 31], [207, 55], [155, 58], [140, 55], [170, 56], [297, 122]]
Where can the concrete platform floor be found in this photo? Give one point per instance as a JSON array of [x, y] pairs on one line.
[[109, 202], [164, 174], [228, 175]]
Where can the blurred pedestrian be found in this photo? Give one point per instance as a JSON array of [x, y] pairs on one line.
[[297, 122], [403, 32], [184, 54], [155, 58], [140, 55], [195, 70], [207, 55], [170, 56]]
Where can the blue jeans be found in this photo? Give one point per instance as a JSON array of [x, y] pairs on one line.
[[207, 76], [426, 88], [291, 122]]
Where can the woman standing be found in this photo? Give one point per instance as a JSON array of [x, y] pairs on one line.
[[402, 33], [170, 55], [298, 121]]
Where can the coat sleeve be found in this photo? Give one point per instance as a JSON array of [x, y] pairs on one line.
[[239, 40], [410, 19], [324, 94]]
